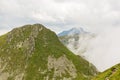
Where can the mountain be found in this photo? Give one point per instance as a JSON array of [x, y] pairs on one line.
[[76, 30], [111, 74], [78, 40], [33, 52]]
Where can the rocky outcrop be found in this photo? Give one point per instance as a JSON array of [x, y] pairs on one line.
[[33, 52], [61, 67]]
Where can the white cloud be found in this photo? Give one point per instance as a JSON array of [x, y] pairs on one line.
[[89, 13], [94, 15], [104, 50]]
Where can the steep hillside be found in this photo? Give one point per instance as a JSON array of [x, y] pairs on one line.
[[33, 52], [111, 74]]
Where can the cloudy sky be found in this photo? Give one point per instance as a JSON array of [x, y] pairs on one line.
[[60, 14], [97, 16]]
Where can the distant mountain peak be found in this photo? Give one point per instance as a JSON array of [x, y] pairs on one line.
[[75, 30]]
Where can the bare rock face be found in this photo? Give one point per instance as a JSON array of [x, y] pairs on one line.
[[26, 41], [33, 52], [62, 66], [19, 39]]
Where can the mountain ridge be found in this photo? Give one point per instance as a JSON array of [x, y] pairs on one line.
[[72, 31], [33, 52], [77, 42]]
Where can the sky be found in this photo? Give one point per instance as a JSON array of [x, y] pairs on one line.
[[97, 16], [59, 15]]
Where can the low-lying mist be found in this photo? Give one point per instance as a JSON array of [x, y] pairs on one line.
[[104, 49]]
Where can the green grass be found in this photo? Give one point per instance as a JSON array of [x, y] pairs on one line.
[[46, 44], [109, 74]]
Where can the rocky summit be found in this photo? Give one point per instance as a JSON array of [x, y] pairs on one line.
[[33, 52]]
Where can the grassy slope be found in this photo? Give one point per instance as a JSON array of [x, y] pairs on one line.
[[112, 74], [46, 44]]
